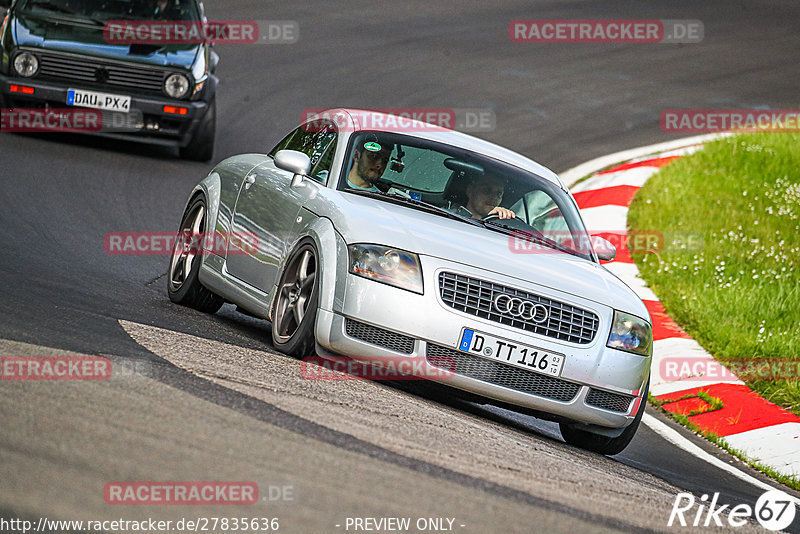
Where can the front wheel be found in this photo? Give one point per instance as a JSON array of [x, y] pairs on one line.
[[604, 444], [183, 283], [296, 299], [201, 147], [2, 108]]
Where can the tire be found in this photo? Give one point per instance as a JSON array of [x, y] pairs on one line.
[[2, 106], [295, 308], [604, 444], [183, 284], [201, 147]]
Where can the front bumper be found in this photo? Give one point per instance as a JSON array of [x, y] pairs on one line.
[[400, 325], [146, 123]]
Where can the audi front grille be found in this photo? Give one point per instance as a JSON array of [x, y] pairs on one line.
[[609, 401], [379, 336], [517, 308], [501, 374]]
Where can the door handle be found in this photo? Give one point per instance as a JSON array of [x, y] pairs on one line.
[[249, 180]]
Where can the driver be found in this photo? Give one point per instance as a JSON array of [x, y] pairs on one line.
[[370, 158], [484, 194]]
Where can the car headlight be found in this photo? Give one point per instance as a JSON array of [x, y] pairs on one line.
[[176, 85], [26, 64], [388, 265], [631, 334]]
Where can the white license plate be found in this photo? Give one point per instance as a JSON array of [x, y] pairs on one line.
[[510, 352], [95, 100]]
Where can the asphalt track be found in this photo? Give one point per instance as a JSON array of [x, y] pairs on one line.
[[200, 398]]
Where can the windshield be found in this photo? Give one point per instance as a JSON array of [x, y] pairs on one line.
[[105, 10], [536, 214]]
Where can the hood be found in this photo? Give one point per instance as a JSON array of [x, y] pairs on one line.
[[372, 221], [67, 35]]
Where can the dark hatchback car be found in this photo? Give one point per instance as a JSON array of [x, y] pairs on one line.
[[55, 55]]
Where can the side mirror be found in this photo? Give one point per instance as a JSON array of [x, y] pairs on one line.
[[295, 162], [603, 248]]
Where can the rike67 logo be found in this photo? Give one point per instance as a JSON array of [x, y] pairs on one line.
[[774, 510]]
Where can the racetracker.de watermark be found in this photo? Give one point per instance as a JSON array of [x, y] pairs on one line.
[[605, 31], [93, 112], [160, 32], [35, 120], [192, 243], [55, 368], [527, 242], [472, 120], [635, 241], [707, 370], [180, 493], [724, 120], [389, 368]]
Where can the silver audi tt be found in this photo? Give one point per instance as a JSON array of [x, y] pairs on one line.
[[382, 238]]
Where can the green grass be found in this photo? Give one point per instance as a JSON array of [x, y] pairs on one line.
[[729, 270], [713, 403]]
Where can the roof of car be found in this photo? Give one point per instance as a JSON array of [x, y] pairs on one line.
[[370, 120]]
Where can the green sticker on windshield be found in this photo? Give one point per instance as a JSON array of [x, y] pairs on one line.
[[372, 147]]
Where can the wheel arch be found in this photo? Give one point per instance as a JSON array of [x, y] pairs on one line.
[[209, 187], [331, 259], [209, 190]]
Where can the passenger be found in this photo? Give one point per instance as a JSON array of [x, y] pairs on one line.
[[484, 194], [163, 9]]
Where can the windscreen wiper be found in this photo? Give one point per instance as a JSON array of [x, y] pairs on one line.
[[533, 235], [417, 203], [437, 209]]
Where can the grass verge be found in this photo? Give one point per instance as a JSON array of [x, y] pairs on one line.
[[729, 270]]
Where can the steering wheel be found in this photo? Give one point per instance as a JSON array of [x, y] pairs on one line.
[[516, 223], [493, 216]]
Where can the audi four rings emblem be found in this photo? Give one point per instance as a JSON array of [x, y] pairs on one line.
[[523, 309]]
